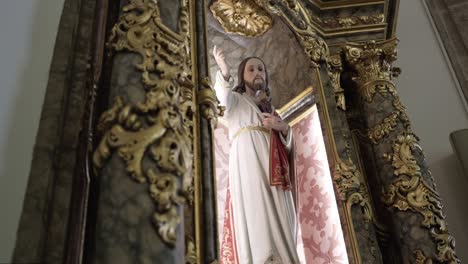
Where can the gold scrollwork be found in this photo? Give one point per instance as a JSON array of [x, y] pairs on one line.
[[347, 180], [190, 252], [410, 192], [335, 67], [348, 22], [421, 258], [160, 127], [372, 62], [209, 103], [403, 115], [388, 125], [242, 17]]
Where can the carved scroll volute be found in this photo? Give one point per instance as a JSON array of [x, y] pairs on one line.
[[347, 179], [335, 67], [209, 103], [372, 62], [159, 128], [409, 192]]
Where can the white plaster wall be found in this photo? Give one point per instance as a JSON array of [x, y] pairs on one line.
[[28, 29], [429, 91]]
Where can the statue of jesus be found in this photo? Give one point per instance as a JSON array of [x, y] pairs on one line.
[[261, 174]]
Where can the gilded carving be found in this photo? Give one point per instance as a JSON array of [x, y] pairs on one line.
[[348, 22], [335, 67], [372, 62], [242, 17], [380, 131], [314, 46], [190, 253], [421, 258], [159, 128], [209, 104], [409, 192], [296, 16], [403, 115], [347, 180]]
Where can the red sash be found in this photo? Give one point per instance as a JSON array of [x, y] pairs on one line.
[[280, 173]]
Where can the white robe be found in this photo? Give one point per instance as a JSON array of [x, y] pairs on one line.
[[264, 216]]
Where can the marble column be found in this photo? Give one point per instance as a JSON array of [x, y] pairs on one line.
[[399, 178], [144, 157]]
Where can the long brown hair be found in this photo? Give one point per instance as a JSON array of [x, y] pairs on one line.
[[240, 87]]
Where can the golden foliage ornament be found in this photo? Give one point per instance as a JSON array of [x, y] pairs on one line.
[[159, 128], [243, 17], [410, 192]]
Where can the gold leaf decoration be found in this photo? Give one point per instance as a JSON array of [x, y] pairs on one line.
[[380, 131], [335, 67], [347, 180], [372, 64], [209, 104], [159, 128], [242, 17], [190, 253], [409, 192], [349, 22], [421, 258]]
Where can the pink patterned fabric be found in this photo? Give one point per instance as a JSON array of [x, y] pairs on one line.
[[318, 213]]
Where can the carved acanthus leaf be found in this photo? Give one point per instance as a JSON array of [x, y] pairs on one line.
[[409, 192], [243, 17], [347, 179], [372, 63], [159, 128], [335, 67]]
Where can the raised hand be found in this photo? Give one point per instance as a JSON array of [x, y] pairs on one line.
[[220, 60], [273, 122]]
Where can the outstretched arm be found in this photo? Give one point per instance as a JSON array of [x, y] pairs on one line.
[[224, 82]]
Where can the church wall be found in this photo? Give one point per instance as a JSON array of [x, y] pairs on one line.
[[28, 30], [429, 91]]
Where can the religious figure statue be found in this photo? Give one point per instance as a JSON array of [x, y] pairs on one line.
[[261, 221]]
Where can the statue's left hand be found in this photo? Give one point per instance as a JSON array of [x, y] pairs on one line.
[[274, 122]]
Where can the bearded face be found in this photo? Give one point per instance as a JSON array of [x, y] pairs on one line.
[[255, 75]]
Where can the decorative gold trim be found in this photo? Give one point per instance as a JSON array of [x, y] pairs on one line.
[[409, 192], [421, 258], [335, 161], [209, 104], [372, 62], [344, 3], [350, 22], [380, 131], [303, 115], [251, 128], [242, 17], [335, 67], [190, 252], [160, 127], [296, 99]]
